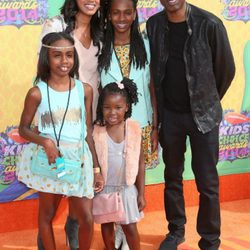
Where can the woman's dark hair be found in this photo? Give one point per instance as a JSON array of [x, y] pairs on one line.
[[69, 11], [137, 52], [43, 67], [126, 88]]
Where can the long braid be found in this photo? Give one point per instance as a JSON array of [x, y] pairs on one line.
[[137, 53], [106, 55]]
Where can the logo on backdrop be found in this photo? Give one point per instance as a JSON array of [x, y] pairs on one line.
[[23, 12], [10, 146], [145, 9], [236, 10], [234, 136]]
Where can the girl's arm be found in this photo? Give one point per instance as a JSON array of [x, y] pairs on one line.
[[140, 182], [154, 133], [98, 179], [32, 101]]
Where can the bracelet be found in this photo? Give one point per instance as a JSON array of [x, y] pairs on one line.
[[97, 170]]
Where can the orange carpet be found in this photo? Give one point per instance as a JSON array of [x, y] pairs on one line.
[[18, 220], [21, 215], [235, 230]]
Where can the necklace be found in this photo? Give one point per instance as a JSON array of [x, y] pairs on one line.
[[64, 115]]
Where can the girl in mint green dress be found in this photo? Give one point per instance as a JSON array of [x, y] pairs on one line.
[[63, 105]]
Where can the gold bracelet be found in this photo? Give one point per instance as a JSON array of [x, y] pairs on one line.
[[97, 170]]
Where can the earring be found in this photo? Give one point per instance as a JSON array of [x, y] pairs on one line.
[[98, 13]]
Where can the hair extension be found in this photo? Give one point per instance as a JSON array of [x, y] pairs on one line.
[[43, 67], [69, 11], [137, 53], [129, 91]]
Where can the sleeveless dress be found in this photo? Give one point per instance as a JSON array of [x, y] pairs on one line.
[[70, 143], [116, 182]]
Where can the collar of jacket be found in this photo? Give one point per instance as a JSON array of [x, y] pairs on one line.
[[187, 18], [115, 70]]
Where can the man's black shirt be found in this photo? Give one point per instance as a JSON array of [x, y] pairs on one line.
[[176, 96]]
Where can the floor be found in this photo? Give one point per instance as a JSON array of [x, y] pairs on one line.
[[235, 231]]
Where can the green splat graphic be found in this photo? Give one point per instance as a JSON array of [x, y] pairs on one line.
[[54, 7], [246, 97]]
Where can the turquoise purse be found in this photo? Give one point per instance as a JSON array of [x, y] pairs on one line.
[[72, 169], [71, 173]]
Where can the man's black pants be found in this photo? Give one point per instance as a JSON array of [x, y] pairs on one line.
[[204, 147]]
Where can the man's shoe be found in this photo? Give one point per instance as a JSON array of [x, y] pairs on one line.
[[171, 242]]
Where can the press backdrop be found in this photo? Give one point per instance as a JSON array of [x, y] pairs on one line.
[[20, 26]]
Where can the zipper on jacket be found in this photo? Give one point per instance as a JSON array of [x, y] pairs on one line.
[[188, 75], [165, 58]]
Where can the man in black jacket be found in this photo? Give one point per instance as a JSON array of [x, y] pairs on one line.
[[192, 67]]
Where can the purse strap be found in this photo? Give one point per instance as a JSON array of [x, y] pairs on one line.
[[80, 91]]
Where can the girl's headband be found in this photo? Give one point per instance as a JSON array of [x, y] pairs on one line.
[[58, 47]]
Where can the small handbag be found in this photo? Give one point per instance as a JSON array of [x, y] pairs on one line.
[[71, 173], [108, 208]]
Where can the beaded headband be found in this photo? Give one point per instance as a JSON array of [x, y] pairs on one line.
[[57, 47]]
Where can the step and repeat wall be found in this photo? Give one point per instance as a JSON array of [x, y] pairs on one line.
[[20, 27]]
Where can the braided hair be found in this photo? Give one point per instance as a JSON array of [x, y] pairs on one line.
[[137, 52], [69, 11], [126, 88]]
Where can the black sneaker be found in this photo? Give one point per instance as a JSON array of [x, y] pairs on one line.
[[171, 242]]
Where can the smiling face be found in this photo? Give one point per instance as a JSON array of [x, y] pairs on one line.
[[88, 7], [61, 59], [122, 15], [114, 109], [175, 9]]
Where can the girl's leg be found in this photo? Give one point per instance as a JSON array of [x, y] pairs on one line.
[[48, 204], [108, 235], [132, 236], [83, 211]]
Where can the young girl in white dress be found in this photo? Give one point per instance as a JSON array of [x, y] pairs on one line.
[[119, 150]]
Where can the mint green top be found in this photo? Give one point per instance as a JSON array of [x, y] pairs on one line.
[[71, 131]]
